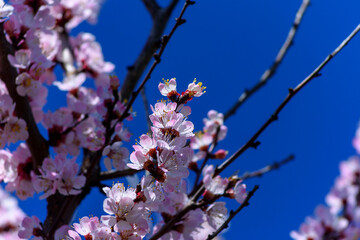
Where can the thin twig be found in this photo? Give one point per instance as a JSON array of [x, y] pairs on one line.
[[292, 92], [117, 174], [136, 70], [266, 169], [233, 213], [280, 56]]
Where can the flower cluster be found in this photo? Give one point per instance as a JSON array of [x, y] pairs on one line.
[[166, 155], [340, 219], [127, 219]]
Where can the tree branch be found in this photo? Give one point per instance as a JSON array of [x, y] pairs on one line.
[[152, 44], [36, 143], [266, 169], [117, 174], [152, 7], [157, 58], [280, 56], [233, 213]]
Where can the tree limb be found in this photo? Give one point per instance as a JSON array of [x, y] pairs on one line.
[[117, 174], [280, 56], [152, 7], [152, 44], [36, 143]]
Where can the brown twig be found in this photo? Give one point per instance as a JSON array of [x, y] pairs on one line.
[[266, 169], [135, 71], [36, 142], [117, 174], [280, 56], [233, 213]]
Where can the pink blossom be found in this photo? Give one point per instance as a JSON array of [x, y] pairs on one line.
[[216, 214], [214, 121], [82, 100], [195, 89], [117, 154], [11, 215], [168, 89], [71, 82], [21, 58], [240, 192], [31, 227]]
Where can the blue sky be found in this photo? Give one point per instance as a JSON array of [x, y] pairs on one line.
[[227, 45]]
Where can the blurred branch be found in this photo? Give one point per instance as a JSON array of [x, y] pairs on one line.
[[160, 18], [117, 174], [280, 56], [266, 169], [152, 7], [233, 213], [36, 143]]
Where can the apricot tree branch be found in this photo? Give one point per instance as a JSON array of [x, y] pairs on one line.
[[153, 42], [280, 56], [157, 58], [118, 174], [152, 7], [36, 143]]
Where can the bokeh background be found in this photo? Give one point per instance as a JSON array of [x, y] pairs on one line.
[[227, 45]]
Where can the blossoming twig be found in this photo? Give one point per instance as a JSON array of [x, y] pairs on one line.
[[233, 213], [269, 73]]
